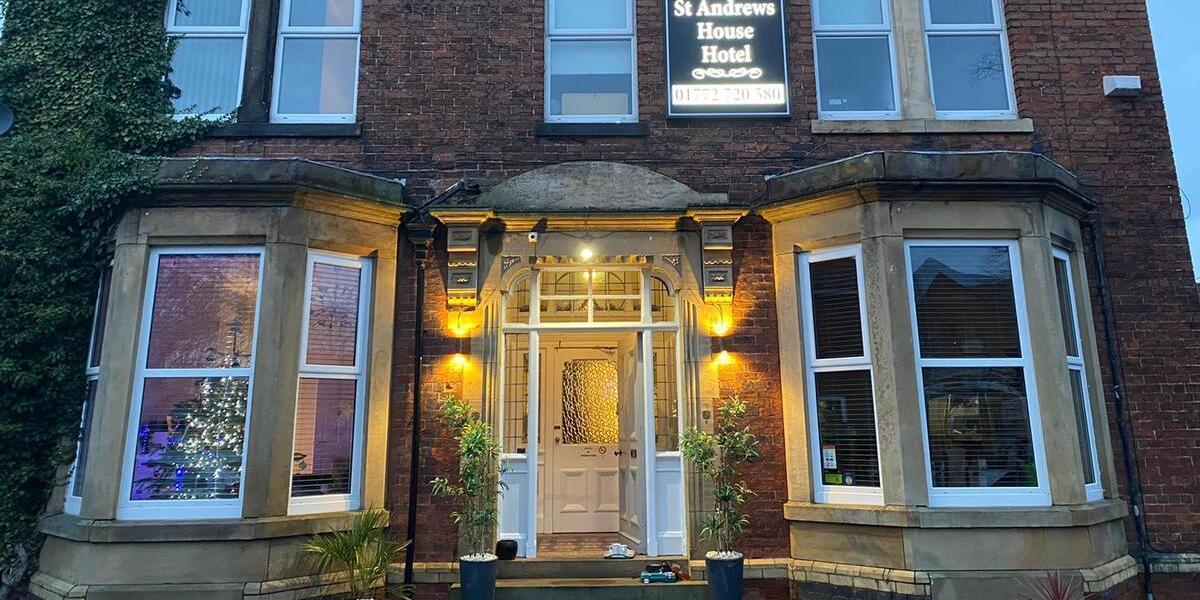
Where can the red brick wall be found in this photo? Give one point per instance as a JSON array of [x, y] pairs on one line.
[[455, 89]]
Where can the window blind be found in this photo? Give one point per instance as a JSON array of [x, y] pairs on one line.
[[323, 454], [965, 303], [204, 311], [333, 315], [846, 421], [837, 324]]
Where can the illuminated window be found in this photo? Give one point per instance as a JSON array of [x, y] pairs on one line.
[[210, 56], [591, 61], [856, 71], [968, 59], [316, 61], [327, 447]]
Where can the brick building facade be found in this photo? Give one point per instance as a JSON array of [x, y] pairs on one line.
[[457, 91]]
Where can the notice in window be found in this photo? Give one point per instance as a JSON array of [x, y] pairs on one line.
[[726, 58]]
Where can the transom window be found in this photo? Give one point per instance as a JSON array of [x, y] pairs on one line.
[[185, 455], [210, 57], [589, 296], [327, 446], [968, 59], [842, 426], [979, 405], [856, 71], [316, 61], [1084, 422], [591, 61]]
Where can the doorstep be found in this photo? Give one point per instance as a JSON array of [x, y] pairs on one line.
[[581, 568], [592, 589]]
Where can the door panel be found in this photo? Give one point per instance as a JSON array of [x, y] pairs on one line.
[[631, 520]]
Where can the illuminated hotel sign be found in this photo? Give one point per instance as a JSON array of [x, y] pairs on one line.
[[726, 58]]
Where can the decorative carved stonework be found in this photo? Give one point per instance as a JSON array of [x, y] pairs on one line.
[[675, 260], [508, 262], [716, 236], [621, 260], [462, 244]]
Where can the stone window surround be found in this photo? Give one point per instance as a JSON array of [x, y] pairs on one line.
[[917, 113]]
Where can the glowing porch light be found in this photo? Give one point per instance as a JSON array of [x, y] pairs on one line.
[[586, 253]]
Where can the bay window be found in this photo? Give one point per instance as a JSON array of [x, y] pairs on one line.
[[841, 405], [1084, 423], [327, 445], [968, 59], [184, 452], [316, 61], [209, 59], [975, 376], [855, 63], [591, 61]]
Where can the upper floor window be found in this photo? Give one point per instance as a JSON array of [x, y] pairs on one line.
[[591, 61], [327, 445], [840, 388], [316, 61], [185, 452], [968, 59], [210, 55], [979, 403], [1084, 423], [855, 62]]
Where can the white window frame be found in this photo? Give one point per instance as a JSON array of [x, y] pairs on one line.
[[286, 32], [998, 28], [857, 32], [242, 31], [358, 372], [128, 509], [834, 494], [1075, 364], [73, 502], [983, 496], [556, 34]]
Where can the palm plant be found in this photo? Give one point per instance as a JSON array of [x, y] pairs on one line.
[[1056, 586], [365, 551], [719, 457], [478, 482]]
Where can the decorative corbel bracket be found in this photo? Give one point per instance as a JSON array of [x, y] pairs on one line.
[[716, 236], [462, 245]]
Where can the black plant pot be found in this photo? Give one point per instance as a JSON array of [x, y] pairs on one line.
[[725, 577], [478, 578]]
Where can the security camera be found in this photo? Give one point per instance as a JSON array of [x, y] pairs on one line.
[[533, 237]]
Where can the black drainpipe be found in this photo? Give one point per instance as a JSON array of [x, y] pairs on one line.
[[1124, 424], [420, 234]]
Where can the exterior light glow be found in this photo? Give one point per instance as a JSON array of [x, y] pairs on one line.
[[459, 360], [586, 253], [460, 324], [724, 358]]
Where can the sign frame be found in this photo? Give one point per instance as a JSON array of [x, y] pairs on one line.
[[784, 113]]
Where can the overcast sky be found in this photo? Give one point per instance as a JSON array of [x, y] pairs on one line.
[[1178, 46]]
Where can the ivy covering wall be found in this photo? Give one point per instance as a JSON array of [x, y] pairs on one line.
[[87, 82]]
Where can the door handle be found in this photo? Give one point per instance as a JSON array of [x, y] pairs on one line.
[[617, 453]]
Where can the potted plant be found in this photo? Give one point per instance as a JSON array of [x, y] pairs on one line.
[[364, 552], [478, 486], [719, 456]]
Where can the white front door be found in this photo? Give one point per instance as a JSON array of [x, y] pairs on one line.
[[583, 394], [632, 486]]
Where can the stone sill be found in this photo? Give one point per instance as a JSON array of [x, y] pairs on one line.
[[592, 130], [885, 126], [73, 528], [958, 518], [314, 130]]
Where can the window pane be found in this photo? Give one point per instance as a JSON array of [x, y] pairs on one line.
[[318, 76], [322, 13], [323, 451], [617, 283], [662, 303], [1062, 274], [203, 313], [207, 72], [846, 422], [961, 12], [666, 388], [517, 303], [591, 78], [516, 392], [591, 14], [978, 427], [333, 315], [189, 439], [564, 311], [589, 402], [565, 283], [855, 74], [100, 318], [84, 435], [964, 298], [1083, 426], [208, 13], [612, 310], [850, 12], [837, 325], [968, 72]]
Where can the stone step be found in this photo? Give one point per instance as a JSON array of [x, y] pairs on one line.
[[612, 588], [580, 568]]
